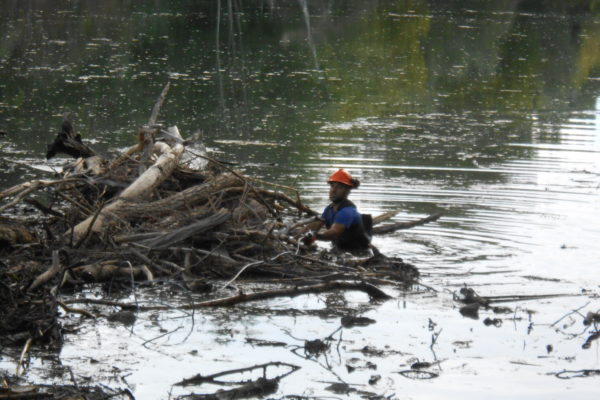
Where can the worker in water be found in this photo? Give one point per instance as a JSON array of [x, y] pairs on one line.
[[345, 226]]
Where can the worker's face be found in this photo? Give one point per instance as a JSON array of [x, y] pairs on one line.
[[338, 191]]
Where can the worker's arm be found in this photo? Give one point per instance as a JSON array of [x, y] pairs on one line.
[[332, 233]]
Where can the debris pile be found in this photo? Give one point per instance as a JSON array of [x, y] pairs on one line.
[[158, 212]]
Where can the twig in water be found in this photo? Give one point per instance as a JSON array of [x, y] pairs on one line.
[[76, 310], [158, 337], [434, 338], [132, 284], [427, 287], [23, 355], [73, 377], [569, 313], [245, 267]]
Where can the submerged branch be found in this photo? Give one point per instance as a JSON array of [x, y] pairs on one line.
[[199, 379]]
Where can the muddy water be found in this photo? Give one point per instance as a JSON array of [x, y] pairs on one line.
[[487, 113]]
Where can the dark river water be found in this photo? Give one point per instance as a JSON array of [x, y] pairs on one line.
[[485, 111]]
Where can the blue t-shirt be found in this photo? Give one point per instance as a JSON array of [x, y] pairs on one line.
[[346, 216]]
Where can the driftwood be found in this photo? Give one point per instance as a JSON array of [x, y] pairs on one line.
[[379, 230], [26, 314]]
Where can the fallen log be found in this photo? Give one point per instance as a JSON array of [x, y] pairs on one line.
[[380, 230]]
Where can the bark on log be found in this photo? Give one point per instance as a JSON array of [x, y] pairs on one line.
[[140, 188], [170, 238]]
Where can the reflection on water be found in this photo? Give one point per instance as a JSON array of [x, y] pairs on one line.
[[487, 112]]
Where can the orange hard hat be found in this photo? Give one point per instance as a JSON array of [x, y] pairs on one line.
[[341, 176]]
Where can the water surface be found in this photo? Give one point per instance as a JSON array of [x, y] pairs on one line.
[[487, 112]]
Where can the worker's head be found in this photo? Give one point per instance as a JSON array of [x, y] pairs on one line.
[[340, 184]]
